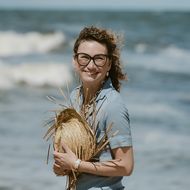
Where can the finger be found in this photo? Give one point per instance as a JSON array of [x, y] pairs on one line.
[[56, 165], [57, 154], [57, 161], [55, 147], [56, 168], [59, 171], [65, 147]]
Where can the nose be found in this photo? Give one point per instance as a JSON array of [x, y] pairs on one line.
[[91, 64]]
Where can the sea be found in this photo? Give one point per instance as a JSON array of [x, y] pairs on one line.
[[36, 62]]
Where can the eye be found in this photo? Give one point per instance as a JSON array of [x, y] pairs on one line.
[[83, 56], [100, 57]]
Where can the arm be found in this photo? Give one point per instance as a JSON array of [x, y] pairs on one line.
[[123, 162], [122, 165]]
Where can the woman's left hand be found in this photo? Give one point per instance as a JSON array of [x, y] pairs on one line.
[[65, 160]]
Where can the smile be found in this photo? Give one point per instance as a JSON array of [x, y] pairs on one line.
[[89, 73]]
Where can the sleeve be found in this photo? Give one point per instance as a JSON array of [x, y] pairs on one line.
[[117, 116]]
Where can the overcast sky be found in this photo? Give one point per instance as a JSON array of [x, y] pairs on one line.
[[98, 4]]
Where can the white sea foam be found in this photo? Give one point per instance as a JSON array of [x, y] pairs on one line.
[[171, 59], [156, 109], [34, 74], [13, 43], [140, 48]]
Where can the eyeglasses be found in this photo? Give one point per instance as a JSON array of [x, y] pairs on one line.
[[84, 59]]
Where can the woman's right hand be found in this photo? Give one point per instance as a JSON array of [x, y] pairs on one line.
[[58, 170], [64, 162]]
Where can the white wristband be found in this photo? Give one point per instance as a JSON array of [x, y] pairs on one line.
[[76, 164]]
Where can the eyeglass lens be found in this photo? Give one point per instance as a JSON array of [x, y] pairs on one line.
[[84, 59]]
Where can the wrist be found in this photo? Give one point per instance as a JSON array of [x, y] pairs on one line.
[[77, 164]]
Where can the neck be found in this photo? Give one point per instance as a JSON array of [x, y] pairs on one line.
[[89, 93]]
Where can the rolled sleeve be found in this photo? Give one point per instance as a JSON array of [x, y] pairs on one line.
[[117, 116]]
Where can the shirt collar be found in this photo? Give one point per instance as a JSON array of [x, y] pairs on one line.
[[106, 87]]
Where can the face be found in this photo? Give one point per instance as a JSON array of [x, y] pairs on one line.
[[91, 74]]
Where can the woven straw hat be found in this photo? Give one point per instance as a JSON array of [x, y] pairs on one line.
[[76, 133], [72, 128]]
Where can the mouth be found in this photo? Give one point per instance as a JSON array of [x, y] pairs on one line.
[[91, 73]]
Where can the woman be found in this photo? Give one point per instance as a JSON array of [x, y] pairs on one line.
[[97, 62]]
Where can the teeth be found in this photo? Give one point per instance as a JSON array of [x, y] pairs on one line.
[[90, 73]]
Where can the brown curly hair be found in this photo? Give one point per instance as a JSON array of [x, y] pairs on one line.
[[111, 41]]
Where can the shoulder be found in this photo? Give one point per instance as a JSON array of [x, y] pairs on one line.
[[113, 107], [114, 100], [111, 101]]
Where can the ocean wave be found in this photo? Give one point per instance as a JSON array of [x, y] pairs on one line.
[[171, 59], [34, 74], [13, 43], [157, 109]]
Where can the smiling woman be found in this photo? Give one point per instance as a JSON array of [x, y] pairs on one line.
[[156, 58], [96, 60]]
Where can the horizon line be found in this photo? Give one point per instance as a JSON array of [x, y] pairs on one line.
[[42, 8]]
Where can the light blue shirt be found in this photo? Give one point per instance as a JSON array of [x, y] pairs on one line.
[[111, 111]]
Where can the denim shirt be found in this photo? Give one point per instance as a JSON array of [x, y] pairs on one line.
[[111, 110]]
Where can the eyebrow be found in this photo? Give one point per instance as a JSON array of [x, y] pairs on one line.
[[93, 55]]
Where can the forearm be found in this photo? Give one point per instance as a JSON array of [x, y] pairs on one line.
[[109, 168], [121, 166]]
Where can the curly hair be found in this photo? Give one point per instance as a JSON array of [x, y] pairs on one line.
[[110, 40]]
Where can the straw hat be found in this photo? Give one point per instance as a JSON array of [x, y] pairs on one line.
[[72, 128]]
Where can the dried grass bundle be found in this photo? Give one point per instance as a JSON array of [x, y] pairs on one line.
[[75, 131], [72, 128]]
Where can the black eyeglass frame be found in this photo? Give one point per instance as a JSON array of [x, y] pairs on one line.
[[91, 58]]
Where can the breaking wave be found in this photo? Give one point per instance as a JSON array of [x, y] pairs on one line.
[[34, 74], [13, 43]]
